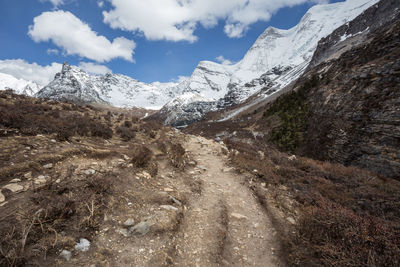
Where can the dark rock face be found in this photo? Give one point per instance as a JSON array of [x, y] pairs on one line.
[[375, 17], [355, 110]]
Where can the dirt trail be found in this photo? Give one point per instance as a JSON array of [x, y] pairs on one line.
[[225, 226], [203, 216]]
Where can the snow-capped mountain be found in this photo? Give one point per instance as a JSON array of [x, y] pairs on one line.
[[19, 86], [277, 58], [186, 108], [72, 83]]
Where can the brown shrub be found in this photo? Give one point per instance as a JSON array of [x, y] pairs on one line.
[[126, 133], [34, 116], [101, 130], [141, 156], [151, 128], [73, 208], [128, 124], [350, 217], [176, 154], [331, 235]]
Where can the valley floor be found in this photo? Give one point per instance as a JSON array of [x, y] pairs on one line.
[[204, 215], [85, 186], [220, 222]]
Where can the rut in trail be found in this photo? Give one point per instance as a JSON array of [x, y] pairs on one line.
[[225, 226]]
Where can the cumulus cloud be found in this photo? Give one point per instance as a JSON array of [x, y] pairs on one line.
[[224, 61], [75, 37], [94, 68], [21, 69], [100, 4], [176, 20], [55, 3], [52, 51]]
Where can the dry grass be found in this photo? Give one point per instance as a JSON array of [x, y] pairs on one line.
[[53, 217], [30, 116], [333, 235], [37, 163], [348, 216], [36, 224]]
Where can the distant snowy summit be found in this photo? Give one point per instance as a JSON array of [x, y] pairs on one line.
[[19, 86], [74, 84], [277, 58]]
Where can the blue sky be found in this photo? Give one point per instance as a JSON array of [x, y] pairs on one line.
[[149, 54]]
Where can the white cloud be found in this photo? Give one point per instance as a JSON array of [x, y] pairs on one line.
[[176, 20], [52, 51], [224, 61], [55, 3], [100, 4], [21, 69], [75, 37], [94, 68]]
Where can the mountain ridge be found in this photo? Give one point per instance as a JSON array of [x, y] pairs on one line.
[[119, 90], [276, 58], [19, 86]]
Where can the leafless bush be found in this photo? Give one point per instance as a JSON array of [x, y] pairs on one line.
[[350, 217], [128, 124], [141, 156], [32, 117], [176, 154], [125, 133], [71, 207]]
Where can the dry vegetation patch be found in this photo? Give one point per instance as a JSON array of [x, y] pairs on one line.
[[53, 217], [344, 216], [30, 116], [92, 172]]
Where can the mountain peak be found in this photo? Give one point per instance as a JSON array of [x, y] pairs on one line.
[[66, 67]]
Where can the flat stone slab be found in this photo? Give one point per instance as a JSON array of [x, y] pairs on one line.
[[15, 188]]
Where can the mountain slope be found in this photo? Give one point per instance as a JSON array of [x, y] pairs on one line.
[[276, 59], [344, 109], [20, 86], [118, 90]]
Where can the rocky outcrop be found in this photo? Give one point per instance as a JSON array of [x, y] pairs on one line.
[[376, 17], [355, 109]]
